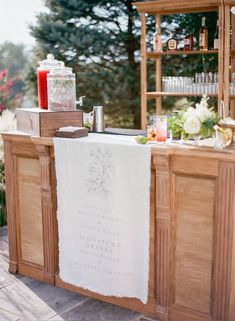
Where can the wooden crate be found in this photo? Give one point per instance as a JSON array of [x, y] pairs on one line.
[[44, 123]]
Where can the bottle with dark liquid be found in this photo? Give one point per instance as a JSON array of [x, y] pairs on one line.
[[216, 36], [203, 35], [157, 40], [188, 42]]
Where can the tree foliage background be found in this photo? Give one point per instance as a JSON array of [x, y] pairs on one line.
[[100, 41], [13, 60]]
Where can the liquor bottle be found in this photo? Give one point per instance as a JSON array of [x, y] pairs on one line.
[[188, 42], [172, 43], [216, 36], [157, 40], [203, 35]]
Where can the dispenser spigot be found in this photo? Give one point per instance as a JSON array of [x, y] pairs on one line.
[[80, 101]]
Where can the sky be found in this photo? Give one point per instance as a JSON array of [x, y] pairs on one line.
[[15, 15]]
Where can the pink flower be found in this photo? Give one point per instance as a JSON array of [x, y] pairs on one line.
[[3, 73], [1, 107]]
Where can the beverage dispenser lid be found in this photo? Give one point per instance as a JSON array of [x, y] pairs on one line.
[[62, 70], [51, 62]]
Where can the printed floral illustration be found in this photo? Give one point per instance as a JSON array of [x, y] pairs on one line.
[[99, 171]]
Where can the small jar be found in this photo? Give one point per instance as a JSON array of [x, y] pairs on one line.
[[61, 87]]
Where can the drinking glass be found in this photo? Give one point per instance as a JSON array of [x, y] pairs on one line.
[[151, 134], [161, 128]]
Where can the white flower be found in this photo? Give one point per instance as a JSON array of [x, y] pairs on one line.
[[203, 114], [7, 121], [203, 103], [190, 113], [192, 126]]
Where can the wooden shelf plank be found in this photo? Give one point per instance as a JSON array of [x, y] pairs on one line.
[[155, 94], [155, 54], [184, 6]]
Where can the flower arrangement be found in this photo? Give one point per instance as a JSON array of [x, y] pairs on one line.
[[5, 87], [7, 122], [194, 122]]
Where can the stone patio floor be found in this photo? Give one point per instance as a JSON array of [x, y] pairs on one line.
[[25, 299]]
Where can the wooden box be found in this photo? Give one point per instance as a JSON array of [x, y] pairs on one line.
[[76, 133], [44, 123]]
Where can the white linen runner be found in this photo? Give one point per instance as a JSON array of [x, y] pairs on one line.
[[103, 194]]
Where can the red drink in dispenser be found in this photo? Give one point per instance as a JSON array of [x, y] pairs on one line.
[[42, 88], [44, 67]]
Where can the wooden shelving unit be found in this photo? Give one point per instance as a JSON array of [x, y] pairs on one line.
[[155, 94], [226, 52], [155, 54]]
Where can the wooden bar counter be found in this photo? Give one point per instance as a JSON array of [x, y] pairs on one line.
[[192, 254]]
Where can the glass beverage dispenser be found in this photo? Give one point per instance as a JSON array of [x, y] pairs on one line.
[[61, 86], [44, 68]]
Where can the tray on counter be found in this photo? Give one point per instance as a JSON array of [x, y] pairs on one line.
[[124, 131]]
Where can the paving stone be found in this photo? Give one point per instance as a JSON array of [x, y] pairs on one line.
[[7, 278], [94, 310], [25, 299], [4, 257], [3, 231], [146, 318], [7, 316], [34, 300]]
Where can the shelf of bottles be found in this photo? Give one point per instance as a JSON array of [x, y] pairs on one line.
[[172, 45], [201, 83]]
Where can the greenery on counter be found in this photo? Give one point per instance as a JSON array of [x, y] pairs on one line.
[[198, 121], [176, 124]]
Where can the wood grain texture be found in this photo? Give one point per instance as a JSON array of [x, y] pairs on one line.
[[194, 210], [226, 60], [229, 2], [195, 166], [232, 101], [221, 70], [162, 167], [152, 253], [224, 250], [192, 221], [9, 177], [232, 108], [29, 211], [155, 54], [182, 6], [158, 72], [143, 67], [48, 212], [38, 122]]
